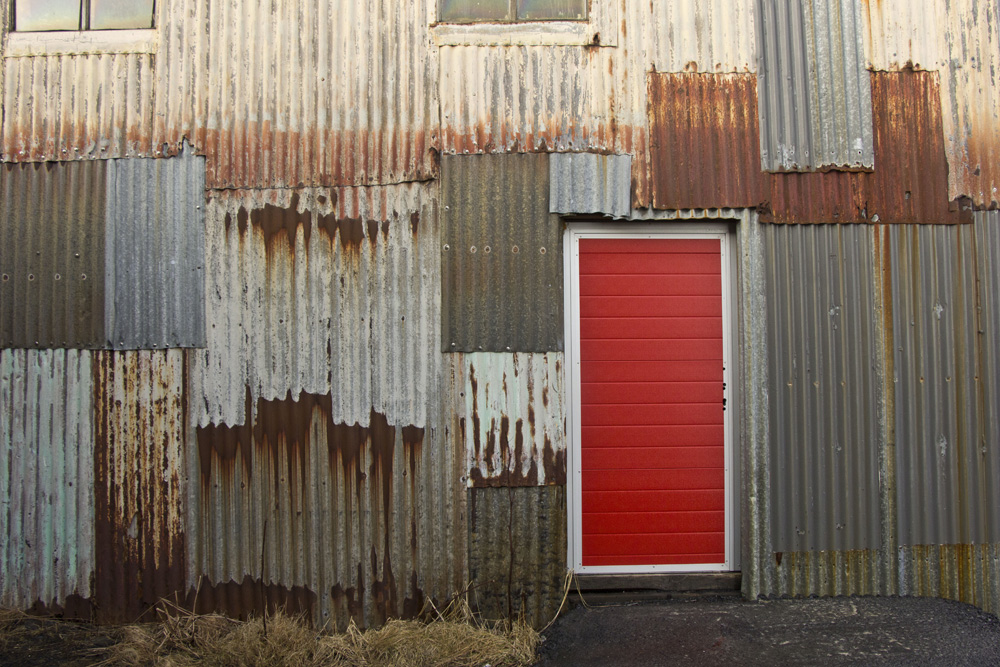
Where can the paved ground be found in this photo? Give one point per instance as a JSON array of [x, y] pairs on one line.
[[832, 631]]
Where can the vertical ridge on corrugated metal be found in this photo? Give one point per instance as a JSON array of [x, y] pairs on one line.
[[824, 447], [52, 220], [155, 253], [46, 480], [813, 87], [67, 107], [715, 36], [940, 487], [140, 445], [287, 94]]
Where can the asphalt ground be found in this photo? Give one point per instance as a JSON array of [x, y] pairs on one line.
[[824, 631]]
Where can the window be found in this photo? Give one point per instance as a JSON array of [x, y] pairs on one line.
[[49, 15], [510, 11]]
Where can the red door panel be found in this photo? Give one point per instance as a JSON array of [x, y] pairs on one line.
[[652, 449]]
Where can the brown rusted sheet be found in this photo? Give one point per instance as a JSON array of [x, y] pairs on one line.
[[139, 533], [705, 144], [250, 597], [910, 181]]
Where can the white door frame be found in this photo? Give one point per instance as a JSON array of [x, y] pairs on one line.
[[571, 255]]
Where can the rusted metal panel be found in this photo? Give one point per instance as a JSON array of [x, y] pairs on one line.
[[322, 290], [704, 146], [964, 572], [512, 416], [710, 36], [139, 492], [805, 573], [822, 388], [501, 256], [910, 181], [944, 477], [814, 90], [155, 250], [517, 551], [52, 256], [67, 107], [286, 94], [589, 183], [46, 481], [350, 521]]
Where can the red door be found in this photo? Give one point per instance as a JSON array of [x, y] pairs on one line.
[[651, 402]]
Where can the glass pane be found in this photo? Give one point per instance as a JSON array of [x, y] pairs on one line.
[[121, 14], [31, 15], [470, 11], [548, 10]]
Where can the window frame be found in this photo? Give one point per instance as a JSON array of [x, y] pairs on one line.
[[512, 11], [85, 11], [600, 28]]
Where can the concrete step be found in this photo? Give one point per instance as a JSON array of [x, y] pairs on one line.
[[603, 589]]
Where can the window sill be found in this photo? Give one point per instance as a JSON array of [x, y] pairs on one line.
[[534, 33], [70, 43]]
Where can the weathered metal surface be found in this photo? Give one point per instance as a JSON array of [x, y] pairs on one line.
[[155, 250], [46, 481], [713, 36], [67, 107], [357, 521], [704, 147], [291, 94], [52, 257], [987, 229], [943, 462], [822, 387], [512, 416], [910, 181], [813, 86], [590, 183], [958, 38], [827, 573], [517, 552], [321, 290], [140, 425], [501, 256], [965, 572]]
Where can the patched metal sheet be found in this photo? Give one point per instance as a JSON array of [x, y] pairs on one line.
[[501, 256], [52, 258], [942, 461], [987, 228], [822, 388], [517, 552], [813, 86], [47, 481], [155, 250], [706, 36], [512, 416], [589, 183], [139, 488]]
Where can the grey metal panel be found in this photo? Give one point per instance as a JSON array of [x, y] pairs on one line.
[[46, 480], [813, 85], [941, 472], [987, 226], [822, 388], [501, 256], [590, 183], [155, 250], [52, 254], [517, 551]]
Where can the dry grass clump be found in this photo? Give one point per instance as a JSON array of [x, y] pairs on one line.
[[456, 638]]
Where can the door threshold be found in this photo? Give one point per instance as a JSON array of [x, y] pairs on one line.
[[673, 582]]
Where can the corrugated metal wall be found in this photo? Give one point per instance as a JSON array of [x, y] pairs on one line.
[[589, 183], [47, 558]]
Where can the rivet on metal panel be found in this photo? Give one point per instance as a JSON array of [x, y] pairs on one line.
[[487, 250], [473, 250], [447, 247], [58, 277], [542, 250], [6, 277], [515, 250], [83, 276], [31, 277]]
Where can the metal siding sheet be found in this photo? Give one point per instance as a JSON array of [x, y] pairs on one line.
[[140, 445], [52, 255], [68, 107], [517, 552], [705, 149], [46, 481], [822, 388], [322, 290], [589, 183], [713, 36], [941, 483], [511, 408], [987, 229], [909, 183], [155, 250], [501, 256], [300, 94], [814, 90]]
